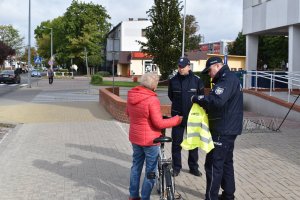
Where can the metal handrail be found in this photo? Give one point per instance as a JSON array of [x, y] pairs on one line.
[[292, 79]]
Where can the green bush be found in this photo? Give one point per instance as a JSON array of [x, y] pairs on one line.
[[96, 79], [103, 73], [205, 78]]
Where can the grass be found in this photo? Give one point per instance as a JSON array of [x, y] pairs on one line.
[[123, 84], [119, 83]]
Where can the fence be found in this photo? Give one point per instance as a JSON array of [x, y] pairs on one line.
[[63, 74], [272, 80]]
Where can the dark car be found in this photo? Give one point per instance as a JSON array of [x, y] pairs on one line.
[[10, 76]]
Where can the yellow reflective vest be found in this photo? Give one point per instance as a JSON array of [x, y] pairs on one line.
[[197, 133]]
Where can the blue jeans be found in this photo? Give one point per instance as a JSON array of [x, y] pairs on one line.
[[140, 153]]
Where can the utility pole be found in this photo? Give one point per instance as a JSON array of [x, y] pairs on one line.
[[113, 63], [183, 34], [86, 62], [52, 59], [29, 46]]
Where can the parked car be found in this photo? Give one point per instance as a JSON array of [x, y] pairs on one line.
[[35, 73], [10, 76]]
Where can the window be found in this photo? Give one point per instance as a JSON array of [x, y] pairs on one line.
[[256, 2], [143, 32]]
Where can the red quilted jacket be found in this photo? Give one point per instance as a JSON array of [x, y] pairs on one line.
[[146, 122]]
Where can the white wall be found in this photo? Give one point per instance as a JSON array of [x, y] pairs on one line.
[[131, 32], [269, 15], [267, 108]]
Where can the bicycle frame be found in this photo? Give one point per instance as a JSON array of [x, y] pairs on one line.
[[164, 180]]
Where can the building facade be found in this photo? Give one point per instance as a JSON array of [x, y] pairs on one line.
[[272, 17], [218, 47], [123, 55]]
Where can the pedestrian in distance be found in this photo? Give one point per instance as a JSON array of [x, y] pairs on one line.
[[181, 88], [146, 122], [224, 106], [50, 74]]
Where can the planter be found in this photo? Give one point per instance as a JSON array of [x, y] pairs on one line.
[[135, 79]]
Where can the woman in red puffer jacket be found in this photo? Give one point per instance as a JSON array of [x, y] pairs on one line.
[[146, 122]]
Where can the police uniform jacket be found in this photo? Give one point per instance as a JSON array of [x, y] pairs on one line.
[[224, 104], [181, 89]]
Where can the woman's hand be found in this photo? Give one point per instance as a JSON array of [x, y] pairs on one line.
[[180, 119]]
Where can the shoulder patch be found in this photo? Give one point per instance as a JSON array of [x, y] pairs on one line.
[[219, 90]]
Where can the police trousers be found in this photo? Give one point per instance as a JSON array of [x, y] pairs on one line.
[[219, 168], [177, 136]]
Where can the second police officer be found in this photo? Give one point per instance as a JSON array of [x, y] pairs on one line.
[[182, 87]]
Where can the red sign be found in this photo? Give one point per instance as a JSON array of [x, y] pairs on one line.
[[140, 55]]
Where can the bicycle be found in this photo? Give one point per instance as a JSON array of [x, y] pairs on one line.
[[165, 182]]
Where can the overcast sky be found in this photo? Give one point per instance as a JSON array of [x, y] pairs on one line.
[[217, 19]]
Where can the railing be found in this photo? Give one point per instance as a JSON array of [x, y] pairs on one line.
[[63, 74], [291, 79]]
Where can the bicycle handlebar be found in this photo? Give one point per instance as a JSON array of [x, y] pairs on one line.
[[166, 117]]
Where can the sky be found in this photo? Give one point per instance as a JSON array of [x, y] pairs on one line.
[[217, 20]]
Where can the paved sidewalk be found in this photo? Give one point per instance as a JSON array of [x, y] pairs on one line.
[[75, 150]]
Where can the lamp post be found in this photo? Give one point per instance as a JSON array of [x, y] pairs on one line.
[[51, 35], [113, 64], [183, 31], [29, 45]]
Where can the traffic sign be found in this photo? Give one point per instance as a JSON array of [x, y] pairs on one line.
[[37, 60]]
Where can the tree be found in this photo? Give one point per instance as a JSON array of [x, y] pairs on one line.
[[11, 37], [25, 55], [238, 47], [192, 40], [5, 51], [84, 25], [272, 50], [164, 35]]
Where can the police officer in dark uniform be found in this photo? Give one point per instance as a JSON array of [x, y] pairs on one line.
[[224, 106], [182, 87]]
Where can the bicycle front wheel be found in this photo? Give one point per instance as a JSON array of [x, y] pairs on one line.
[[159, 178]]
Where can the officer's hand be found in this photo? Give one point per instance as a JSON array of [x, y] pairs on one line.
[[196, 98]]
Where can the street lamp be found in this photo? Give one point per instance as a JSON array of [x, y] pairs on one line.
[[51, 59], [113, 64], [183, 37], [113, 52], [29, 44]]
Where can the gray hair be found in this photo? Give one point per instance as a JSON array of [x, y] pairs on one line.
[[149, 80]]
